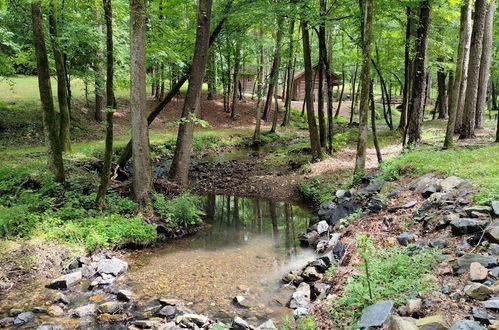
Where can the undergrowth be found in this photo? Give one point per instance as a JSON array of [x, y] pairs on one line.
[[322, 188]]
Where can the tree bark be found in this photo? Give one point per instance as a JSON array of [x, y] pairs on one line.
[[338, 109], [110, 106], [416, 106], [54, 150], [256, 135], [312, 125], [140, 135], [290, 74], [470, 103], [408, 63], [373, 124], [235, 98], [62, 93], [179, 170], [174, 90], [354, 83], [320, 103], [211, 76], [442, 91], [365, 79], [485, 66]]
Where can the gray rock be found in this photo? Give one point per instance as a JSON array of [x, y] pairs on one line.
[[320, 265], [399, 323], [168, 311], [340, 194], [376, 315], [309, 238], [88, 271], [435, 322], [15, 311], [48, 327], [24, 318], [328, 258], [445, 221], [61, 298], [301, 311], [414, 306], [112, 266], [110, 307], [240, 324], [478, 208], [268, 325], [243, 302], [197, 319], [65, 281], [169, 326], [449, 183], [372, 188], [310, 274], [495, 208], [376, 205], [324, 245], [322, 227], [463, 263], [301, 297], [292, 277], [406, 238], [343, 210], [339, 250], [124, 295], [437, 243], [325, 210], [320, 289], [422, 182], [395, 192], [101, 282], [482, 316], [40, 310], [492, 232], [284, 294], [405, 206], [492, 303], [463, 226], [7, 322], [428, 191], [478, 291], [494, 272], [147, 324], [82, 311], [466, 325], [493, 249]]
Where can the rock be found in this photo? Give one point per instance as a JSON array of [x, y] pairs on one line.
[[492, 232], [494, 272], [112, 318], [414, 306], [292, 277], [478, 208], [482, 316], [435, 322], [343, 210], [15, 311], [310, 274], [309, 238], [397, 190], [372, 189], [339, 250], [420, 183], [86, 310], [327, 244], [88, 271], [110, 307], [124, 295], [6, 322], [240, 324], [40, 310], [328, 258], [243, 302], [466, 325], [376, 315], [168, 311], [437, 243], [48, 327], [301, 311], [463, 226], [284, 294], [406, 238], [495, 208], [65, 281], [197, 319], [463, 263], [376, 205], [322, 227], [478, 273], [428, 191], [449, 183], [407, 205], [301, 297], [319, 289], [493, 249], [24, 318], [268, 325], [170, 302], [55, 311], [325, 210], [101, 282], [61, 298], [112, 266], [320, 265], [399, 323], [147, 324], [340, 194], [492, 303], [478, 291]]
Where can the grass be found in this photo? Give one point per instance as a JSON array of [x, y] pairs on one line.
[[478, 164], [322, 188]]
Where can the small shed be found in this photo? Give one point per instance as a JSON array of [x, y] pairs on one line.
[[247, 78], [298, 91]]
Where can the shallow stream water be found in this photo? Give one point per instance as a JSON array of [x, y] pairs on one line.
[[243, 250]]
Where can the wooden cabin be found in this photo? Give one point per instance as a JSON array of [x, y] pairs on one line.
[[247, 78], [298, 91]]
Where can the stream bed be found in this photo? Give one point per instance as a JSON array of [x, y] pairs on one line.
[[244, 249]]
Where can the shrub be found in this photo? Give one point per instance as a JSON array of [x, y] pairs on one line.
[[182, 211], [17, 221]]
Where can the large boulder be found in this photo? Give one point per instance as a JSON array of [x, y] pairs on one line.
[[449, 183], [112, 266], [309, 238], [376, 315], [463, 263], [320, 227], [23, 318], [421, 183], [310, 274], [466, 325], [325, 210], [478, 291], [341, 211], [65, 281], [301, 297], [376, 205], [463, 226]]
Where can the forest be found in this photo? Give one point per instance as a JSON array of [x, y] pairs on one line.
[[249, 164]]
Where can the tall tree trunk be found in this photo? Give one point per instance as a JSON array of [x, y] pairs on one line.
[[260, 91], [408, 63], [274, 72], [354, 83], [373, 124], [320, 103], [312, 125], [416, 107], [276, 112], [365, 79], [485, 66], [494, 95], [52, 142], [442, 91], [140, 134], [179, 170], [235, 98], [470, 103], [211, 75], [464, 44], [62, 95], [175, 88], [340, 100], [110, 106], [450, 83], [289, 74], [100, 74]]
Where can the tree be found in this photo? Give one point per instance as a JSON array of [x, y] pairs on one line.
[[179, 170], [54, 150], [365, 79], [470, 103], [237, 60], [110, 106], [140, 134], [485, 60], [62, 92], [458, 87], [312, 125], [416, 105]]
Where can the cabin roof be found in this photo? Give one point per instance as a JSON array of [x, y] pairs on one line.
[[301, 73]]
